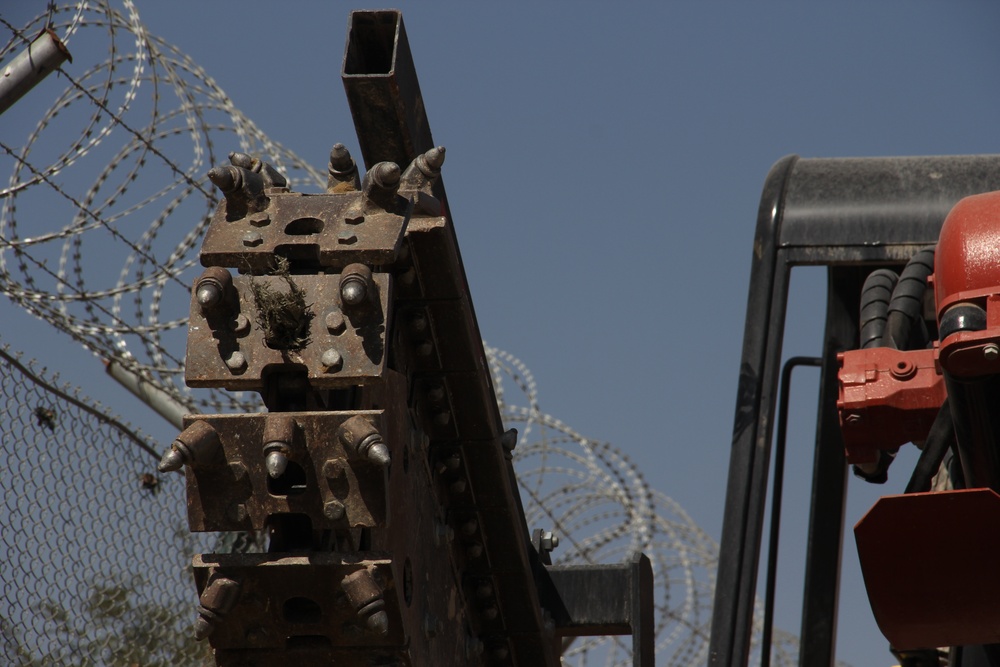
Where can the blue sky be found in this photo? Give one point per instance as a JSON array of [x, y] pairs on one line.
[[604, 167]]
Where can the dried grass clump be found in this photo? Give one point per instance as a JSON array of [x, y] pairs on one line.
[[284, 317]]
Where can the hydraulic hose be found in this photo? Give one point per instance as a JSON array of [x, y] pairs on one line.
[[904, 327], [875, 297], [940, 439]]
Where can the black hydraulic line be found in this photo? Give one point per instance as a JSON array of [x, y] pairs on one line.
[[906, 307], [779, 473], [940, 438], [875, 297]]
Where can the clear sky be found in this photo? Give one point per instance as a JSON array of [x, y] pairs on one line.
[[604, 168]]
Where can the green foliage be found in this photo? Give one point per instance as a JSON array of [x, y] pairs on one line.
[[114, 628]]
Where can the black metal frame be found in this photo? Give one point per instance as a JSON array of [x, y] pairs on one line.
[[849, 215]]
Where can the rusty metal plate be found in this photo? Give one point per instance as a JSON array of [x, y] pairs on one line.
[[334, 487], [326, 230], [929, 563], [289, 601], [226, 348]]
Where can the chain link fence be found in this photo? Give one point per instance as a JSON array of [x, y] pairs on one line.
[[95, 553]]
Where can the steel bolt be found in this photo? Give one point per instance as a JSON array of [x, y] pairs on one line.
[[500, 653], [360, 435], [435, 392], [209, 294], [474, 551], [355, 283], [226, 179], [548, 541], [425, 348], [238, 470], [991, 352], [332, 360], [216, 601], [334, 469], [198, 443], [334, 321], [171, 461], [340, 158], [240, 324], [470, 527], [435, 157], [509, 439], [457, 487], [252, 239], [276, 462], [333, 510], [210, 290], [236, 362], [385, 174], [260, 219], [490, 613]]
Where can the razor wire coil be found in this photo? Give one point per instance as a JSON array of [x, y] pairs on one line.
[[99, 554]]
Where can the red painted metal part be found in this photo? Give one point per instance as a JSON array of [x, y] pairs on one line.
[[887, 398], [930, 566], [967, 259]]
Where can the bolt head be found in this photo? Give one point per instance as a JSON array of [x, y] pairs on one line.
[[334, 469], [333, 510], [236, 362], [991, 352], [238, 470], [240, 324], [171, 461], [259, 219], [276, 463], [202, 628], [252, 239], [332, 360], [209, 295], [334, 321], [353, 292]]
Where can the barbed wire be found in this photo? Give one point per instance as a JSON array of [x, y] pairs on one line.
[[123, 236], [148, 205]]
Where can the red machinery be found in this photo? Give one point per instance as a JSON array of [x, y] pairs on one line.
[[911, 353], [943, 395]]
